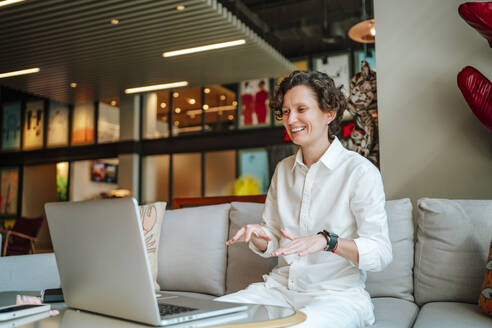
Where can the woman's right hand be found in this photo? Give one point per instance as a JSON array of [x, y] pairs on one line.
[[253, 232]]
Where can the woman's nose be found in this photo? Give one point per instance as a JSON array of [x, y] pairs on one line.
[[292, 118]]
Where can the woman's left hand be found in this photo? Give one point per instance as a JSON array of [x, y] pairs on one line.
[[301, 245]]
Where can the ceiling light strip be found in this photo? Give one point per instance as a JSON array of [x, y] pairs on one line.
[[9, 2], [204, 48], [21, 72], [157, 87]]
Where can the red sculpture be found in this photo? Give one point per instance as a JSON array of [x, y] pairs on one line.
[[477, 90], [479, 16]]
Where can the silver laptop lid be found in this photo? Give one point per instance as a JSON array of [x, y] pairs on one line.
[[100, 253]]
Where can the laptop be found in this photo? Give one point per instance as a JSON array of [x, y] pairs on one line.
[[103, 266]]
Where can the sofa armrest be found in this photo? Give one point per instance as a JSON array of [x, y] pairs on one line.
[[28, 272]]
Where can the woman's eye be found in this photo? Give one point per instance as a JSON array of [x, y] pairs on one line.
[[301, 109], [285, 112]]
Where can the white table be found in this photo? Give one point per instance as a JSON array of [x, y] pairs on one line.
[[256, 316]]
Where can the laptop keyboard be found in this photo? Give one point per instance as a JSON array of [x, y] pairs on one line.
[[169, 309]]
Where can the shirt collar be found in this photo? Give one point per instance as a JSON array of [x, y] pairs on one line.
[[328, 159]]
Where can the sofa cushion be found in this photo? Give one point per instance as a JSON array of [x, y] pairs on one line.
[[29, 272], [192, 252], [485, 297], [194, 295], [151, 216], [243, 266], [452, 246], [396, 280], [394, 312], [450, 315]]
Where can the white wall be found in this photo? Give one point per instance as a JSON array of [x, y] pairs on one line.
[[128, 173], [431, 143]]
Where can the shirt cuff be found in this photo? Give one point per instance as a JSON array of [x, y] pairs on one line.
[[366, 254]]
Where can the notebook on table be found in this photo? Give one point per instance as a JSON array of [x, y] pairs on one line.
[[103, 266]]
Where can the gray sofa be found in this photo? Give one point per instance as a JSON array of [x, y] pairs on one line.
[[434, 280]]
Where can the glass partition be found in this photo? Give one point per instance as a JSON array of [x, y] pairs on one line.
[[156, 115], [220, 105], [187, 175], [155, 178], [187, 111], [220, 173]]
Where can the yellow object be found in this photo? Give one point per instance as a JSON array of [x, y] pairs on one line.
[[9, 224], [246, 185]]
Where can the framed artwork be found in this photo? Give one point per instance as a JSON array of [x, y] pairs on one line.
[[9, 187], [108, 124], [254, 103], [57, 125], [254, 163], [360, 133], [337, 67], [369, 57], [34, 125], [11, 126], [83, 124]]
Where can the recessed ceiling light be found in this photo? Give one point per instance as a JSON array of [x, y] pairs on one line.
[[73, 85], [204, 48], [177, 110], [175, 94], [176, 123], [163, 105], [206, 90], [9, 2], [191, 101], [230, 117], [234, 103], [180, 7], [205, 107], [21, 72], [113, 102], [222, 97], [115, 21], [157, 87]]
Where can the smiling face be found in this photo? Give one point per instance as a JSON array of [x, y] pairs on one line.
[[305, 122]]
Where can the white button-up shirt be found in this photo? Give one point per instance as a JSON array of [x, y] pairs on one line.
[[341, 193]]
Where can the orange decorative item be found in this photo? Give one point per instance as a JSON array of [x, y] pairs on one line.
[[485, 298], [477, 90], [479, 16]]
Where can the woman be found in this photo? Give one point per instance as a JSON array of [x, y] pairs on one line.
[[324, 215]]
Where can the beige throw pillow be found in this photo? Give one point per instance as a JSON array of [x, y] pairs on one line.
[[243, 266], [151, 216], [451, 249]]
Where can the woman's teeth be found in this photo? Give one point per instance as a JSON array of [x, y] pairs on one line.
[[297, 129]]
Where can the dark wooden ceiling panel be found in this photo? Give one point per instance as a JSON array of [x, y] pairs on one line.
[[74, 41]]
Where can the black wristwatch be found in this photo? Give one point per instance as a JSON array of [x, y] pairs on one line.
[[331, 240]]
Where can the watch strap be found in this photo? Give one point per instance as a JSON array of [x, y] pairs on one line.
[[325, 234], [333, 242]]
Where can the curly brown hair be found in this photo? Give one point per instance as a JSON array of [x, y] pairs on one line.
[[330, 98]]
